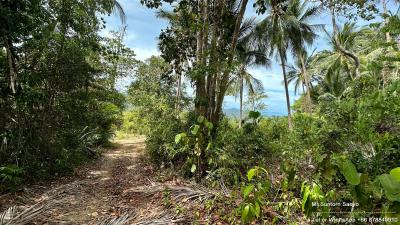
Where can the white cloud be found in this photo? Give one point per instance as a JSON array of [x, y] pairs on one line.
[[145, 53]]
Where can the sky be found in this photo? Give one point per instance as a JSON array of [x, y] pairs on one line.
[[143, 29]]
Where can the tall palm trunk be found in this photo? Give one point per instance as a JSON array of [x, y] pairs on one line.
[[307, 83], [241, 97], [281, 55]]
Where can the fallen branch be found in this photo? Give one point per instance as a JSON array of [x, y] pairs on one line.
[[12, 217], [163, 218], [118, 220], [180, 193], [19, 216]]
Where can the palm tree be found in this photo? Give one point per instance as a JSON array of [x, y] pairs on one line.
[[377, 49], [333, 64], [302, 13], [286, 27], [238, 83], [247, 55], [338, 43], [117, 9], [297, 74]]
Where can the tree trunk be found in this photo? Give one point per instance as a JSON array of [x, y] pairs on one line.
[[212, 74], [200, 80], [307, 83], [11, 62], [281, 55], [241, 99], [178, 91], [225, 76]]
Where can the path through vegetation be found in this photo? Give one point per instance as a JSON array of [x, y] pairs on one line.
[[116, 189]]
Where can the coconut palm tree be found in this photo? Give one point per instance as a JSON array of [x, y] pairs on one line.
[[334, 63], [286, 28], [378, 53], [244, 80], [247, 55], [297, 74], [306, 35]]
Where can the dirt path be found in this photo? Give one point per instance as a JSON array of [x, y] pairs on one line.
[[103, 192]]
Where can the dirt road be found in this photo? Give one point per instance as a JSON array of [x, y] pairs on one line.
[[105, 192]]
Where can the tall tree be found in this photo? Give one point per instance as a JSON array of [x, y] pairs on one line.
[[303, 13], [286, 28], [212, 30], [247, 55], [297, 74], [351, 9], [15, 19], [335, 62], [238, 83]]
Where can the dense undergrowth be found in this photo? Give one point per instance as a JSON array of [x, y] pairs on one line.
[[338, 153], [58, 101]]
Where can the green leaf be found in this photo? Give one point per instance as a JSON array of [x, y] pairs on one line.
[[209, 125], [245, 213], [306, 194], [209, 146], [251, 173], [376, 188], [247, 190], [179, 137], [200, 119], [391, 187], [257, 210], [395, 173], [195, 129], [267, 185], [193, 169], [349, 171]]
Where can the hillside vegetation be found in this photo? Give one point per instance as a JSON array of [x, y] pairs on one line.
[[335, 156]]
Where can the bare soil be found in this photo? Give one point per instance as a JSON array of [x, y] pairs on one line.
[[99, 192]]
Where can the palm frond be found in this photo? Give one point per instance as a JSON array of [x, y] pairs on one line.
[[117, 9]]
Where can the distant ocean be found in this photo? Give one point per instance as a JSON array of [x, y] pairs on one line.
[[234, 112]]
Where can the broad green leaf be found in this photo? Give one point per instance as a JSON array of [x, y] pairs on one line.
[[306, 194], [391, 187], [200, 119], [395, 173], [247, 190], [349, 171], [193, 169], [245, 213], [195, 129], [179, 137], [251, 173], [330, 194], [209, 125]]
